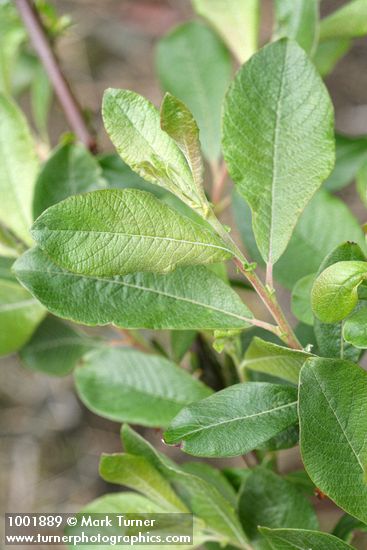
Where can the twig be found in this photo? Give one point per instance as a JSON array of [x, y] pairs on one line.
[[69, 103], [267, 295]]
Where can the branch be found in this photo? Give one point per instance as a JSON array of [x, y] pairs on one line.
[[69, 103]]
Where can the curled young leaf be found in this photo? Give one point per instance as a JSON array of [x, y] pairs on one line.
[[335, 292], [178, 122], [116, 232], [133, 124], [194, 65]]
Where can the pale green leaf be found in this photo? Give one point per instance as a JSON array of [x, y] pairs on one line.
[[19, 167], [178, 122], [41, 99], [286, 439], [298, 19], [301, 299], [130, 386], [181, 342], [335, 292], [188, 298], [137, 473], [116, 232], [269, 500], [116, 503], [214, 477], [194, 65], [329, 52], [200, 496], [355, 328], [332, 411], [56, 347], [133, 124], [20, 314], [279, 361], [329, 337], [12, 34], [235, 420], [361, 182], [312, 238], [71, 169], [298, 539], [277, 102], [351, 154], [237, 22], [349, 21]]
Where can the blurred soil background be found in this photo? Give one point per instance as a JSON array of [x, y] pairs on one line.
[[49, 443]]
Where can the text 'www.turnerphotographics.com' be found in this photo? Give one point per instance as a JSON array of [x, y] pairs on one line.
[[96, 529]]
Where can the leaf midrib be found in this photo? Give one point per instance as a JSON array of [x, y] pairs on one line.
[[146, 289], [239, 419], [128, 235], [344, 433]]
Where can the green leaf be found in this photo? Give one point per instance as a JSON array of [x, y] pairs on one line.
[[181, 342], [19, 167], [298, 19], [301, 299], [56, 347], [271, 501], [351, 154], [178, 122], [201, 497], [70, 169], [312, 238], [137, 473], [346, 526], [285, 439], [188, 298], [298, 539], [116, 232], [329, 337], [133, 124], [335, 292], [332, 411], [350, 21], [279, 361], [361, 182], [41, 99], [194, 65], [130, 386], [12, 34], [20, 314], [235, 420], [237, 22], [269, 110], [212, 476], [355, 328], [328, 54]]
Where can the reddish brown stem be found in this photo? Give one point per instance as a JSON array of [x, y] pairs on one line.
[[41, 44], [219, 184]]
